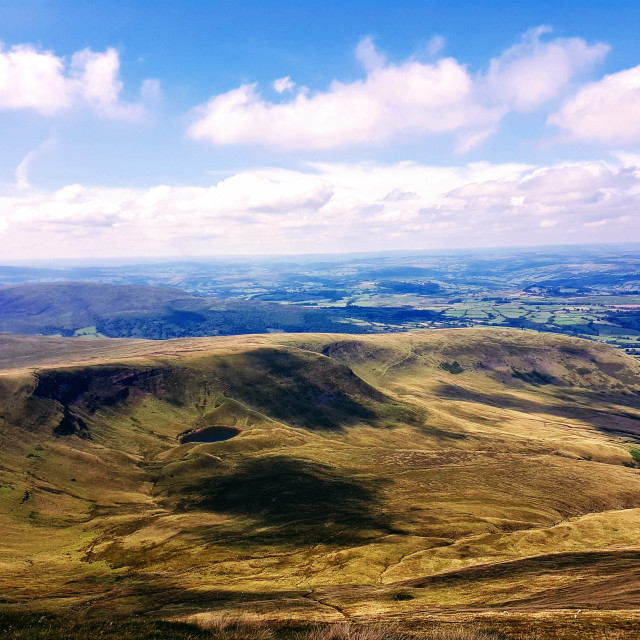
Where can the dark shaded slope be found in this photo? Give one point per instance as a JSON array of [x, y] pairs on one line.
[[65, 307], [93, 388], [301, 389], [298, 388]]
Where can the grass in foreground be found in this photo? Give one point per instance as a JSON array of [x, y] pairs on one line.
[[49, 627], [44, 627]]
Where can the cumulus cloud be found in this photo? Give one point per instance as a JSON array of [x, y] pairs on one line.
[[393, 101], [370, 58], [332, 207], [571, 196], [399, 100], [607, 111], [39, 80], [534, 70]]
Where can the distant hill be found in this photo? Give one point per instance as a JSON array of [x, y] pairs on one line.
[[585, 291], [80, 308]]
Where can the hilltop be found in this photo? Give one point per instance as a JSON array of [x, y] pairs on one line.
[[414, 476]]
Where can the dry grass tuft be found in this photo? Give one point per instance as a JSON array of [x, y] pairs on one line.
[[348, 631], [463, 634], [234, 626]]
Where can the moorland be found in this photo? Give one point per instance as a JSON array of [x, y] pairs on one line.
[[430, 481]]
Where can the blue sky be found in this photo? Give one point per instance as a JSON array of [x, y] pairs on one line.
[[210, 128]]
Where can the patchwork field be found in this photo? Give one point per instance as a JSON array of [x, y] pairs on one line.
[[467, 477]]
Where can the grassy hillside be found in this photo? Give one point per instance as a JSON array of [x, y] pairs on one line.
[[422, 477]]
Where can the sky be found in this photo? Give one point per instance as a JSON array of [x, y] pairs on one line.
[[157, 128]]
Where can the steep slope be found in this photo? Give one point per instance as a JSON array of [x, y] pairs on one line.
[[463, 468]]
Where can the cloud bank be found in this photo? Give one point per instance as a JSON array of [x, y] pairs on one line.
[[332, 207], [335, 207], [397, 101]]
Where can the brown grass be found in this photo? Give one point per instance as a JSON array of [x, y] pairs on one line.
[[232, 625], [470, 491]]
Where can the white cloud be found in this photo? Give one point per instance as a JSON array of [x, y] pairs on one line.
[[606, 111], [369, 56], [332, 207], [570, 198], [399, 100], [393, 101], [282, 85], [39, 80], [436, 45], [534, 71], [31, 79], [22, 170]]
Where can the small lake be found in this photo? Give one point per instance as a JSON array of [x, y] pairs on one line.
[[210, 434]]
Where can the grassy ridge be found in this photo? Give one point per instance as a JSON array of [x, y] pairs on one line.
[[367, 478]]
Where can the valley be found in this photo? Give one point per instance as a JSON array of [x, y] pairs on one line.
[[427, 477], [590, 292]]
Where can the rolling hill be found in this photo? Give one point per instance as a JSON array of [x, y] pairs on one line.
[[425, 477], [139, 311]]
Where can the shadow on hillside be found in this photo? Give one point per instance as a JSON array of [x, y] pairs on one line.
[[312, 392], [95, 387], [576, 405], [587, 562], [609, 578], [291, 501]]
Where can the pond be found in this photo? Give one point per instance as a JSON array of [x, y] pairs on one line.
[[210, 434]]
